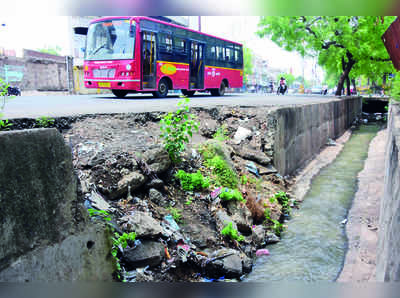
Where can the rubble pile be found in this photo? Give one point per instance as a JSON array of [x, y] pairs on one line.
[[125, 171]]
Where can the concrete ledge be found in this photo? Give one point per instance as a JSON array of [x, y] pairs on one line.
[[388, 255], [40, 212], [304, 130]]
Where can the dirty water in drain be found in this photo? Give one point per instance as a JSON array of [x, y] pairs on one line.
[[313, 246]]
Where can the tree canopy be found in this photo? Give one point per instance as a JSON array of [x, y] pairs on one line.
[[346, 46], [247, 63], [51, 50]]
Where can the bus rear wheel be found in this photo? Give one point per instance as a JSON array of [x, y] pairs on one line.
[[187, 92], [119, 93], [162, 89], [220, 91]]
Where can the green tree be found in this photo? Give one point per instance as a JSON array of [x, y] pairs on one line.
[[288, 77], [51, 50], [247, 63], [346, 46]]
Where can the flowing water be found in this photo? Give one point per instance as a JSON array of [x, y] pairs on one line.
[[313, 247]]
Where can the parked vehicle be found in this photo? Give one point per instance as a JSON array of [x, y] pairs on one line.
[[13, 91]]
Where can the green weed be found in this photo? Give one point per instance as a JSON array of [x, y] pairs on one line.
[[230, 232], [44, 121], [192, 181], [225, 176], [5, 125], [231, 194], [221, 134], [176, 214], [176, 129]]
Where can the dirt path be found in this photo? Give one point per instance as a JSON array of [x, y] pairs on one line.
[[363, 219]]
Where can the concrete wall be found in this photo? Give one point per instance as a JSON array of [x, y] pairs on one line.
[[388, 254], [45, 233], [303, 130], [37, 71]]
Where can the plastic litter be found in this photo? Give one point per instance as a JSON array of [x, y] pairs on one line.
[[251, 167], [216, 193], [262, 252], [344, 221], [169, 220], [331, 142]]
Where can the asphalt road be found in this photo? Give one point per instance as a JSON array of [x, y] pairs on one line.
[[70, 105]]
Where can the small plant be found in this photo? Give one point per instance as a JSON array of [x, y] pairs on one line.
[[176, 214], [231, 194], [230, 232], [189, 201], [101, 213], [120, 242], [44, 121], [267, 214], [176, 128], [284, 201], [277, 227], [192, 181], [221, 134], [5, 125], [244, 180], [225, 175]]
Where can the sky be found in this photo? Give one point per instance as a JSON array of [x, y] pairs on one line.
[[36, 32]]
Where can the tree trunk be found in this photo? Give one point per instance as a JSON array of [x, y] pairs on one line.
[[353, 81], [345, 75], [384, 79], [348, 86]]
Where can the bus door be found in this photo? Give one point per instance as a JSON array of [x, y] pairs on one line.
[[196, 65], [149, 65]]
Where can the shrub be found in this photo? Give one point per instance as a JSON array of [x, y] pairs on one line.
[[192, 181], [230, 232], [4, 125], [44, 121], [283, 199], [224, 174], [176, 128], [221, 134], [176, 214], [231, 194]]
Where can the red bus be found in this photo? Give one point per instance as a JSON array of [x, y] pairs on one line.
[[145, 55]]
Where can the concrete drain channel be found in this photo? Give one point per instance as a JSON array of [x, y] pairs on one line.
[[314, 245]]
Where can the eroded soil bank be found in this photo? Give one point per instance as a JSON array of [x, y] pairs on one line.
[[125, 171]]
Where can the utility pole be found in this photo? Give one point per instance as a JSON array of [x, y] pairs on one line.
[[199, 23]]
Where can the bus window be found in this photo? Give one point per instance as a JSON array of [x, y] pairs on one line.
[[166, 42], [212, 52], [228, 55], [179, 44]]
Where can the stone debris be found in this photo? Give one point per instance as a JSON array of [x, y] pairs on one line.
[[241, 134]]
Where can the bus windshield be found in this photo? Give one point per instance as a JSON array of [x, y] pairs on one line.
[[109, 40]]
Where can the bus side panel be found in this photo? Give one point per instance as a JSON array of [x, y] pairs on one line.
[[215, 75], [177, 72]]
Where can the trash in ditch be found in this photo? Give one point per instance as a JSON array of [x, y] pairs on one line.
[[251, 167], [216, 193], [331, 142], [182, 253], [169, 220], [344, 221], [262, 252]]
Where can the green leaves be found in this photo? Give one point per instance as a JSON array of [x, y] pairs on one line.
[[333, 39], [231, 232], [44, 121], [5, 125], [192, 181], [176, 128]]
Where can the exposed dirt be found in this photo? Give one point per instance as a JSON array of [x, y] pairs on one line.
[[121, 159]]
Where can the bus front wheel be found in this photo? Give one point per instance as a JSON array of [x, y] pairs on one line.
[[119, 93], [162, 89], [220, 91], [188, 93]]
